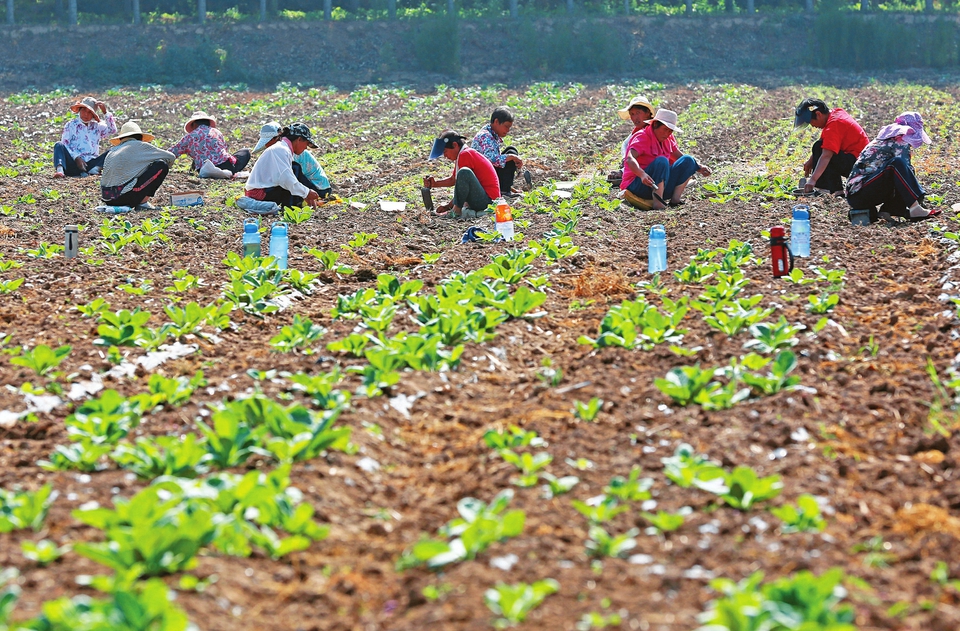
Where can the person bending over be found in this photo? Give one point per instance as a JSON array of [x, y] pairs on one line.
[[653, 163], [204, 143], [272, 178], [883, 176], [841, 141], [133, 169], [474, 179], [506, 161], [76, 155], [305, 166]]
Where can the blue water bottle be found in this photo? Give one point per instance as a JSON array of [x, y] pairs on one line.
[[279, 243], [657, 250], [251, 238], [800, 231]]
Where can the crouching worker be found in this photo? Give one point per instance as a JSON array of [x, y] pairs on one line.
[[305, 166], [506, 161], [133, 169], [841, 141], [474, 180], [272, 179], [638, 111], [204, 144], [883, 175], [655, 172], [76, 155]]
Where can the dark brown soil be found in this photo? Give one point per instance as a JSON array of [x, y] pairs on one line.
[[866, 444]]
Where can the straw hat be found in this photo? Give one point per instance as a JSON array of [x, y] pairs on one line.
[[637, 100], [199, 116], [87, 102], [668, 118], [130, 128]]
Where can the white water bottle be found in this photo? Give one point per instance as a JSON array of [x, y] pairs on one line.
[[800, 231], [279, 244], [657, 250]]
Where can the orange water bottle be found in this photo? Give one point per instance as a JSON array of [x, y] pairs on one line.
[[504, 220]]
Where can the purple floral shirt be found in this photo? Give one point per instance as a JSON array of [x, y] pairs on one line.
[[874, 158], [490, 145], [82, 140], [202, 144]]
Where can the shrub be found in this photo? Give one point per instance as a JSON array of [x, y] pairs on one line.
[[436, 45]]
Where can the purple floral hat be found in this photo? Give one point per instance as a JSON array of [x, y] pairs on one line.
[[910, 126]]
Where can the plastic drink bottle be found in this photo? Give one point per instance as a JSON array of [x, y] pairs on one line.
[[657, 250], [800, 231], [505, 220], [780, 255], [72, 238], [251, 238], [279, 243]]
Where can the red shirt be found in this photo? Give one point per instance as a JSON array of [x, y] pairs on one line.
[[647, 149], [843, 133], [481, 167]]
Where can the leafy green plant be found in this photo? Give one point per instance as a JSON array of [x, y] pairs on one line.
[[42, 359], [664, 521], [512, 438], [25, 509], [629, 489], [297, 214], [478, 526], [93, 308], [81, 456], [300, 335], [189, 319], [687, 468], [823, 303], [508, 269], [746, 488], [389, 285], [599, 513], [778, 378], [183, 281], [733, 319], [44, 250], [800, 601], [230, 439], [513, 602], [329, 258], [153, 457], [587, 411], [43, 552], [127, 328], [803, 517], [173, 391], [768, 338], [633, 324], [529, 465], [522, 302], [360, 239], [9, 286], [602, 544], [104, 420], [558, 486]]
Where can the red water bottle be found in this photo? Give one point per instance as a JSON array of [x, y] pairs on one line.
[[780, 254]]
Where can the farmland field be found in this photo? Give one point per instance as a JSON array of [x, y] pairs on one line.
[[297, 450]]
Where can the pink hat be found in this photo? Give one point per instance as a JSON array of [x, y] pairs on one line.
[[910, 126]]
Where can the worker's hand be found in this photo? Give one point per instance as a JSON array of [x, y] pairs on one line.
[[809, 186], [442, 208], [102, 106], [704, 171], [647, 180], [516, 160], [312, 200], [428, 181], [81, 164], [807, 167]]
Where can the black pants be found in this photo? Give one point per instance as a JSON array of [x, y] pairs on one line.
[[242, 156], [146, 186], [303, 179], [508, 172], [839, 166], [62, 159], [894, 188]]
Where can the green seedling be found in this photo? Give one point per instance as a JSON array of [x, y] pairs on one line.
[[300, 335], [528, 465], [587, 411], [803, 517], [688, 469], [663, 521], [43, 552], [522, 302], [602, 544], [768, 338], [300, 281], [512, 438], [513, 602], [389, 285], [360, 239], [733, 319], [153, 457], [9, 286], [746, 488], [630, 489], [549, 374], [184, 281], [478, 526], [557, 486], [799, 601], [507, 269], [329, 258], [93, 308], [104, 420], [823, 303], [44, 251], [42, 359], [797, 278], [431, 257], [778, 378], [6, 266], [940, 575], [172, 391], [25, 509], [297, 214], [82, 456], [606, 510]]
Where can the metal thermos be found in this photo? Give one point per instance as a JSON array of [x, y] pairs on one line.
[[72, 241]]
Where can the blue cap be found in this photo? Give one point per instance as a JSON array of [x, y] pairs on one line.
[[251, 225], [444, 142], [279, 228], [801, 213]]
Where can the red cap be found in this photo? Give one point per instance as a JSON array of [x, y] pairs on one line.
[[776, 231]]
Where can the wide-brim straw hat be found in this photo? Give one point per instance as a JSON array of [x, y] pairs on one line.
[[199, 116], [130, 128], [637, 100], [87, 102], [668, 118]]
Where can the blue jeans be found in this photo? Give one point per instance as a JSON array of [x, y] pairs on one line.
[[62, 159], [673, 175]]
